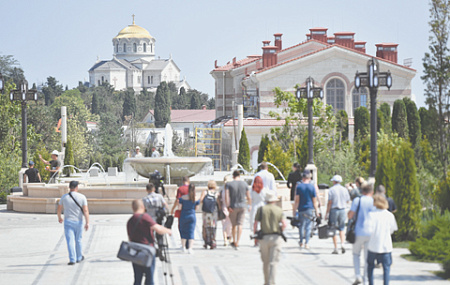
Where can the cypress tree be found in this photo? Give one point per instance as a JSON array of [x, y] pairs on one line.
[[95, 104], [129, 103], [399, 119], [428, 124], [262, 148], [362, 122], [196, 102], [385, 173], [162, 105], [443, 193], [406, 193], [244, 151], [342, 124], [413, 119], [385, 111], [68, 158]]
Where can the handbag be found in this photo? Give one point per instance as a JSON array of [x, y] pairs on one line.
[[177, 213], [138, 253], [351, 236]]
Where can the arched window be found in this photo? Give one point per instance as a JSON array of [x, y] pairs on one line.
[[145, 47], [336, 94], [134, 47], [124, 47], [148, 79], [359, 98]]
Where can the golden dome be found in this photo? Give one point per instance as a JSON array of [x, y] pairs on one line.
[[133, 31]]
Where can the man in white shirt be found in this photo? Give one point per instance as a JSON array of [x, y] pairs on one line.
[[138, 152], [75, 207], [155, 153], [267, 177]]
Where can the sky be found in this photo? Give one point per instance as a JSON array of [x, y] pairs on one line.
[[64, 38]]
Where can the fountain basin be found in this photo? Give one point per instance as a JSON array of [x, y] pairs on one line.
[[179, 166]]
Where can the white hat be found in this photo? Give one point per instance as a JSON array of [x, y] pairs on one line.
[[137, 147], [271, 197], [336, 178], [55, 152]]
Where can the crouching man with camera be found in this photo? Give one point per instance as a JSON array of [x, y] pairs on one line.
[[140, 229], [272, 225]]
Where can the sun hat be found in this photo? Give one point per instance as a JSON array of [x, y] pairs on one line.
[[271, 197], [336, 178], [137, 147], [55, 152]]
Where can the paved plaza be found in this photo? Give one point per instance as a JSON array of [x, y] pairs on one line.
[[33, 251]]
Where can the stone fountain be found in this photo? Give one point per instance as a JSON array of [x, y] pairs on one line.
[[171, 166]]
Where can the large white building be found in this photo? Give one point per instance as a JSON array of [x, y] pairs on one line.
[[134, 64]]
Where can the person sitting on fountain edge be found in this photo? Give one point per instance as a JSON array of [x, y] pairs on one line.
[[155, 153]]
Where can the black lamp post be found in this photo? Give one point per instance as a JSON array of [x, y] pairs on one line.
[[373, 79], [309, 92], [23, 94]]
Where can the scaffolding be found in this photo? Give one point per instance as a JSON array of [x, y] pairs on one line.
[[208, 143]]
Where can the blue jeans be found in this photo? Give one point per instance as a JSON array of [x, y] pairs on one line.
[[73, 231], [305, 225], [383, 258], [139, 272]]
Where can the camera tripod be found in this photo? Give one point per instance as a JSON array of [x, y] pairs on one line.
[[164, 256]]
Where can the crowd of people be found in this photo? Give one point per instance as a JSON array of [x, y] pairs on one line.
[[372, 214]]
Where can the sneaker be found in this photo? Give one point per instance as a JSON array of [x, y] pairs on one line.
[[306, 246], [236, 248], [190, 251], [71, 263], [335, 251], [357, 281], [300, 244], [82, 258], [343, 250], [183, 249]]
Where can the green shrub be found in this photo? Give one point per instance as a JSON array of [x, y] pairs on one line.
[[446, 266], [244, 151]]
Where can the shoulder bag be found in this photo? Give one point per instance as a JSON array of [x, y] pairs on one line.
[[351, 237], [138, 253], [81, 208]]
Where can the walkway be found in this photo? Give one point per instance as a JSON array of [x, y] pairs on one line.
[[33, 251]]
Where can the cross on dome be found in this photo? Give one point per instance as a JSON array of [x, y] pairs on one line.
[[133, 18]]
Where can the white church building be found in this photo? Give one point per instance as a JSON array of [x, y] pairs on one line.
[[134, 64]]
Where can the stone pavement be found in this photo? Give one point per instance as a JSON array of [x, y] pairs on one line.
[[33, 251]]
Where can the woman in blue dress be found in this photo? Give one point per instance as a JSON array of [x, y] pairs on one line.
[[187, 218]]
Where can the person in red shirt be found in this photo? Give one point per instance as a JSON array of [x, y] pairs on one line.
[[143, 233], [182, 190]]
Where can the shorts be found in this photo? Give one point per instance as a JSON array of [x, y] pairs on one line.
[[237, 217], [337, 219]]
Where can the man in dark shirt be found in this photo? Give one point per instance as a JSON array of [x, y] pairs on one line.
[[294, 177], [32, 174], [54, 165], [382, 190], [142, 233], [236, 192]]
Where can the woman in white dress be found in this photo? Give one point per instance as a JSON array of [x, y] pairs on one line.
[[258, 196]]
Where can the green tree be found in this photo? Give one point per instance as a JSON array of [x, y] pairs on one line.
[[362, 122], [110, 132], [75, 107], [413, 118], [196, 102], [387, 155], [68, 158], [436, 64], [146, 102], [442, 195], [129, 103], [406, 193], [428, 119], [95, 108], [78, 134], [263, 147], [211, 104], [385, 111], [342, 125], [51, 90], [244, 151], [162, 105], [278, 157], [399, 119]]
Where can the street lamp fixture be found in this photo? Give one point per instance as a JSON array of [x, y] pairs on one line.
[[309, 92], [23, 94], [373, 79]]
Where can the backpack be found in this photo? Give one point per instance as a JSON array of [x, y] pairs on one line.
[[209, 203]]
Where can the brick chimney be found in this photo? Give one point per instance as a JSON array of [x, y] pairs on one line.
[[278, 41], [360, 46], [266, 43], [331, 40], [387, 51], [318, 34], [269, 56], [345, 39]]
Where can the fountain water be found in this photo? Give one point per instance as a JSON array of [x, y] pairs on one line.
[[172, 166]]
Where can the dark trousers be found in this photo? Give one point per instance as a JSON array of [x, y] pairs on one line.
[[385, 259], [139, 272]]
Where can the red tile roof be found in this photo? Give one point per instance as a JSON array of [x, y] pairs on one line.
[[238, 63]]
